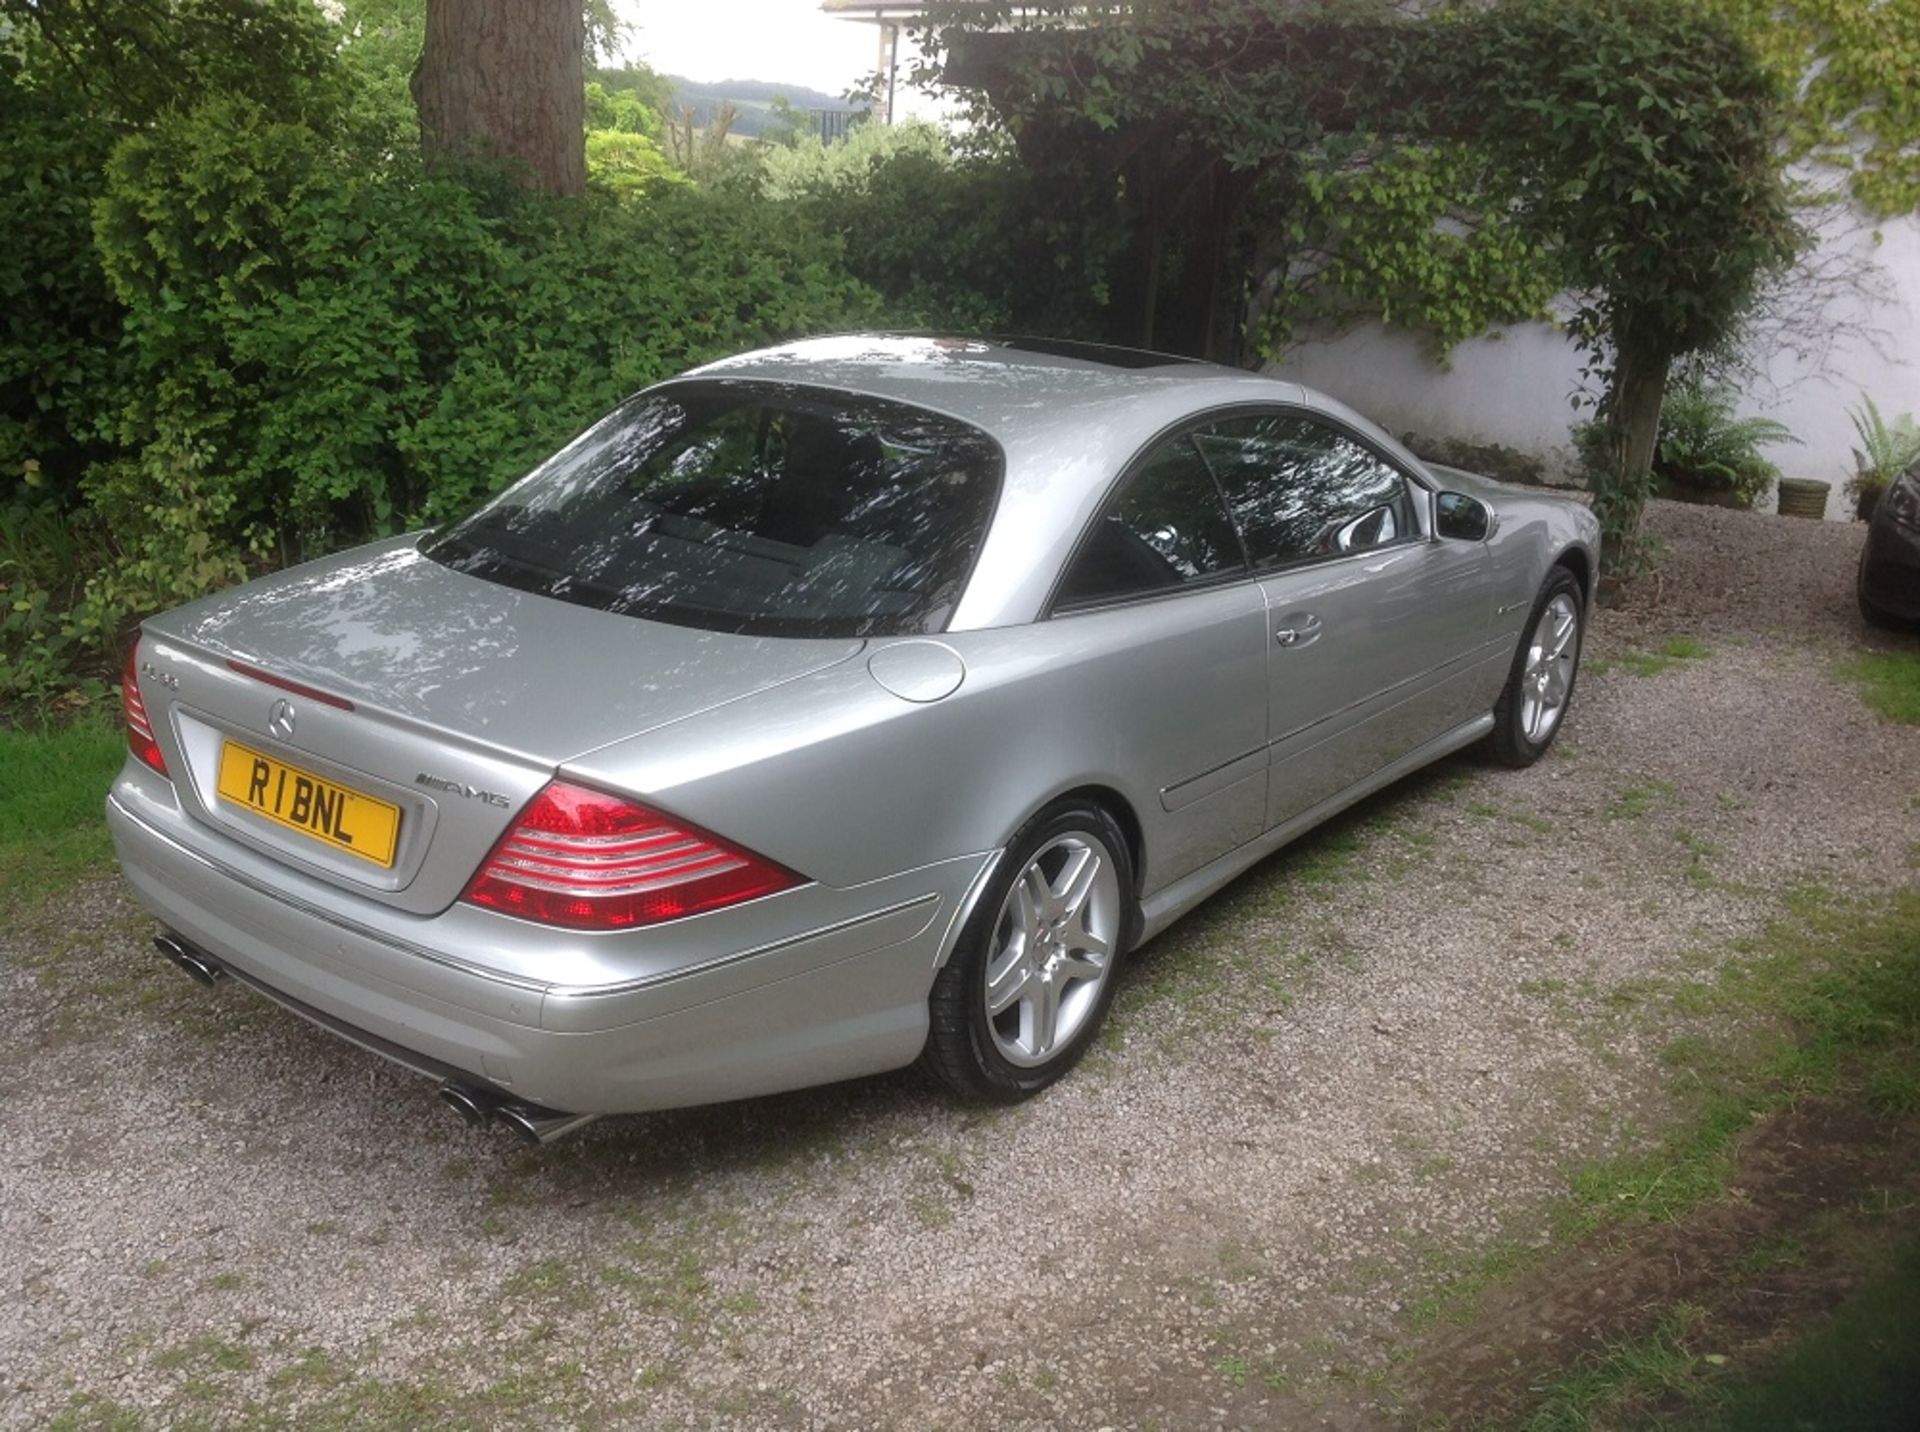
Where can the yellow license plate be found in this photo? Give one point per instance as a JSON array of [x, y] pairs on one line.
[[329, 813]]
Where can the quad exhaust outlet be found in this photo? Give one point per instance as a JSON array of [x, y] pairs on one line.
[[531, 1123], [199, 968]]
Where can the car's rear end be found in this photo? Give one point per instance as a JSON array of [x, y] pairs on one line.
[[369, 787]]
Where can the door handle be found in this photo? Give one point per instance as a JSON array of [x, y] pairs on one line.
[[1302, 629]]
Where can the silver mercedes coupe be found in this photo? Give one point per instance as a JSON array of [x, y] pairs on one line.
[[850, 703]]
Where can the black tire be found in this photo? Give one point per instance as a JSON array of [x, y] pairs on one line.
[[961, 1050], [1874, 617], [1508, 742], [1870, 614]]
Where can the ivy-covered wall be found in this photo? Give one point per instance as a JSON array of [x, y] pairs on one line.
[[1849, 324]]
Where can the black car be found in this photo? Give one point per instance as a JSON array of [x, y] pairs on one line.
[[1890, 565]]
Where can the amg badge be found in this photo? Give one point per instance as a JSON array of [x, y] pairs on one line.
[[459, 788]]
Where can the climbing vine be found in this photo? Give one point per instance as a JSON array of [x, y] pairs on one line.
[[1392, 232], [1852, 71]]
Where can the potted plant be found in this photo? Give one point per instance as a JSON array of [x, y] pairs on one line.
[[1707, 454], [1886, 450]]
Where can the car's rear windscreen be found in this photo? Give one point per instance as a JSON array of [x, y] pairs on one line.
[[763, 509]]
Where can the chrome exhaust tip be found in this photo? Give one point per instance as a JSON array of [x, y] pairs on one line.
[[202, 969], [476, 1110], [531, 1123], [535, 1126]]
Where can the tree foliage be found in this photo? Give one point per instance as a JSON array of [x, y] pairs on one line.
[[60, 359], [135, 58], [1640, 142], [1281, 160], [1851, 72]]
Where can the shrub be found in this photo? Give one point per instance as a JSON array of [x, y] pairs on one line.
[[339, 349], [1705, 447], [810, 168], [60, 364], [1886, 450], [323, 342], [629, 165], [970, 243]]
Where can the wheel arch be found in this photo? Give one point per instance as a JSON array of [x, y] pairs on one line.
[[1579, 562], [1121, 809]]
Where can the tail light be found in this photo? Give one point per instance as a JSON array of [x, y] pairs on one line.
[[139, 725], [590, 861]]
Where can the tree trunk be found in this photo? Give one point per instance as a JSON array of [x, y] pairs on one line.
[[1633, 429], [503, 80], [1630, 413]]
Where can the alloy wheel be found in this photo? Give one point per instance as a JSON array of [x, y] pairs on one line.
[[1052, 948], [1547, 678]]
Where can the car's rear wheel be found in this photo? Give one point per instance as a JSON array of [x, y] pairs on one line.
[[1539, 688], [1029, 983]]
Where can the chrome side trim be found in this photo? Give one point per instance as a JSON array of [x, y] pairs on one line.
[[1183, 793], [1434, 675], [1169, 904], [964, 910]]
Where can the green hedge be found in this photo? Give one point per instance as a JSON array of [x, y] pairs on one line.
[[285, 337], [346, 350], [60, 363]]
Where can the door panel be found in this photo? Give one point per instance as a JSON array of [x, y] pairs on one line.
[[1395, 628], [1369, 617]]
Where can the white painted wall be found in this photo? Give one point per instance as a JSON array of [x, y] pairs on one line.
[[1847, 323]]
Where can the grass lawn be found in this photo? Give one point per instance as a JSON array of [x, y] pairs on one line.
[[1824, 1006], [53, 780], [1861, 1369], [1890, 680]]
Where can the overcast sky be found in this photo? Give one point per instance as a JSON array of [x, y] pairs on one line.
[[779, 40]]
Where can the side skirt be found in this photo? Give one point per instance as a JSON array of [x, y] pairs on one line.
[[1165, 906]]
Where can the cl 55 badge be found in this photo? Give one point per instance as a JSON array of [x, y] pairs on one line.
[[460, 788]]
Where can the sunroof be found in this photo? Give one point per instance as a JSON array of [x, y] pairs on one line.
[[1111, 356]]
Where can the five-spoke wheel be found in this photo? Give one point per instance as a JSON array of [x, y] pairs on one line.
[[1033, 973], [1540, 686], [1551, 653], [1052, 948]]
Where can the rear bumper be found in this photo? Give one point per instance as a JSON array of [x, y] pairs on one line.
[[819, 1005]]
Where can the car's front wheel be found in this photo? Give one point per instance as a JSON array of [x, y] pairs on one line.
[[1869, 613], [1540, 686], [1030, 980]]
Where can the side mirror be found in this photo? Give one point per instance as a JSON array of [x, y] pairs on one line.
[[1462, 518]]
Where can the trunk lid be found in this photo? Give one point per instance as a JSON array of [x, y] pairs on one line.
[[461, 698]]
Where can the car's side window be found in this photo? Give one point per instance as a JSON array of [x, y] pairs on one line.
[[1166, 527], [1301, 489]]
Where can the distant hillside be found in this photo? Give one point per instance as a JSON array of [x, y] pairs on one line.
[[750, 99]]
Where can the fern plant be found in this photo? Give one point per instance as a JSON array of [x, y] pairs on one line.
[[1705, 445], [1886, 450]]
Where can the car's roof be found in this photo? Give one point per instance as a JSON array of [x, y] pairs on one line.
[[1069, 416], [1012, 388]]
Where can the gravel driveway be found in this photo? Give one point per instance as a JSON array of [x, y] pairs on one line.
[[1374, 1055]]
